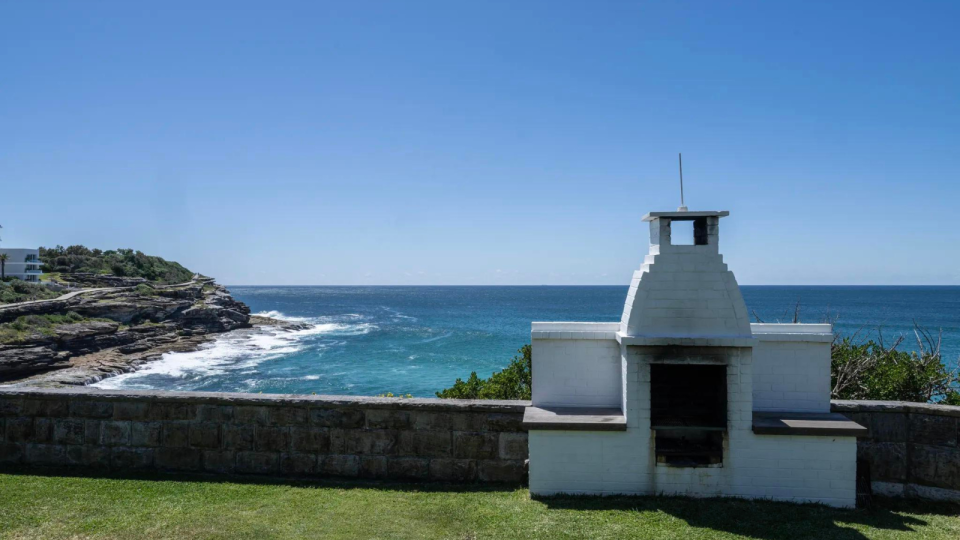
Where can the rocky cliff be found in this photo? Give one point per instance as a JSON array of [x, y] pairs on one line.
[[120, 328]]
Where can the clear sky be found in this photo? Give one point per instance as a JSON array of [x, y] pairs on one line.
[[484, 142]]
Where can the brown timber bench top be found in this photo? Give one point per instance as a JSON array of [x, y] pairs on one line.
[[574, 419], [811, 424]]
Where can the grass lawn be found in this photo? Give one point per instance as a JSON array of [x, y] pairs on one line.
[[36, 505]]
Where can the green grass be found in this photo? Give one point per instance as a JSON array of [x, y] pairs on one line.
[[40, 506]]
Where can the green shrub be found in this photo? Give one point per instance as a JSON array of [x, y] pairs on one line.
[[21, 328], [513, 382], [871, 370], [121, 262], [17, 290]]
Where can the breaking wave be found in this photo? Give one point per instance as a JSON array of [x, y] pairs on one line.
[[241, 351]]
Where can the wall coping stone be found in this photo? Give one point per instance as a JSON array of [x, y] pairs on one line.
[[851, 406], [235, 398]]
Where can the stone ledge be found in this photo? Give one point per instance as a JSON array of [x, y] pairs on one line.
[[894, 407], [228, 398], [687, 341], [574, 419], [807, 424]]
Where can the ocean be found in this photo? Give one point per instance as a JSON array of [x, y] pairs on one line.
[[418, 340]]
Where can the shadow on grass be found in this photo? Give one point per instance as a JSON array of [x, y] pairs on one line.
[[768, 519]]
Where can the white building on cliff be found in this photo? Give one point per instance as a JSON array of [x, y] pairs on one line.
[[22, 264]]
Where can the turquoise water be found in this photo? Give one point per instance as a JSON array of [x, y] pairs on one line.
[[417, 340]]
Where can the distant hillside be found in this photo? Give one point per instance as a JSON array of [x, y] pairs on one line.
[[120, 262]]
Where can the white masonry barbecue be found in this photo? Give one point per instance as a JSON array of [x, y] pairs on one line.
[[684, 395]]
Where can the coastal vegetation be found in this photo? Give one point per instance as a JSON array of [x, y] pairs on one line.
[[874, 370], [860, 369], [31, 327], [120, 262], [48, 506], [16, 290], [513, 382]]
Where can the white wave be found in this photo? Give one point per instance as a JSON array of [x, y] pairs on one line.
[[437, 338], [235, 351]]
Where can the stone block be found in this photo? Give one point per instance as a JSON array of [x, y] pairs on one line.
[[502, 471], [337, 440], [215, 413], [888, 460], [468, 445], [178, 459], [295, 463], [219, 461], [205, 435], [340, 465], [176, 434], [46, 407], [11, 407], [43, 430], [373, 467], [171, 411], [125, 458], [45, 454], [932, 430], [513, 446], [388, 419], [258, 462], [426, 444], [97, 457], [115, 433], [68, 431], [238, 437], [272, 439], [250, 414], [130, 410], [91, 431], [287, 416], [408, 468], [887, 427], [10, 452], [91, 409], [19, 429], [337, 418], [145, 433], [934, 466], [453, 470], [504, 422], [377, 442], [448, 421], [310, 440]]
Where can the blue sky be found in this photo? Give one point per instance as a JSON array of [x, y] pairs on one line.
[[484, 142]]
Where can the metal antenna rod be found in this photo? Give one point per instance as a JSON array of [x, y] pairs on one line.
[[683, 206]]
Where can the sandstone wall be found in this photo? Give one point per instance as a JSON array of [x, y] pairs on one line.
[[912, 449], [294, 436]]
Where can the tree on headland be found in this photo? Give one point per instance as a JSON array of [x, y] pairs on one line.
[[120, 262]]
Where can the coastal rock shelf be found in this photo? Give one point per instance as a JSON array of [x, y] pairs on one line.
[[120, 328]]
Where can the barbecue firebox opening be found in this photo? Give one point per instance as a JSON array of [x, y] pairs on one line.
[[688, 413]]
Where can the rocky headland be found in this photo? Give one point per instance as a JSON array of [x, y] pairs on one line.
[[106, 325]]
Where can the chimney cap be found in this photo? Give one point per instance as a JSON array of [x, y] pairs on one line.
[[686, 216]]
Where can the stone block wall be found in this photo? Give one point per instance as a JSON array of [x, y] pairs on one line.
[[275, 435], [913, 449]]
